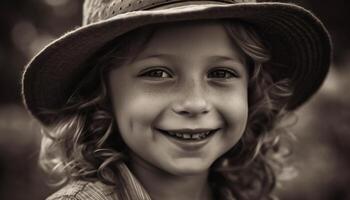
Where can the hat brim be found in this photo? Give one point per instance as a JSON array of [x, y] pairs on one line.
[[296, 37]]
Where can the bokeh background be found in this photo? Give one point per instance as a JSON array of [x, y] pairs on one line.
[[322, 142]]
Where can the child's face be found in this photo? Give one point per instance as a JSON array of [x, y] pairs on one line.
[[186, 77]]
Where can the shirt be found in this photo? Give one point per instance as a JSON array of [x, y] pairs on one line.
[[85, 190]]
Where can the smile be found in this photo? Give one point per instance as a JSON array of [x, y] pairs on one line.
[[189, 136]]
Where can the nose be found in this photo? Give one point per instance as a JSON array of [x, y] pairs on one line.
[[192, 101]]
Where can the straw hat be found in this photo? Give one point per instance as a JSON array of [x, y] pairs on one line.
[[296, 37]]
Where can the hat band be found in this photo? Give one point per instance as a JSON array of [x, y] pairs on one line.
[[180, 3]]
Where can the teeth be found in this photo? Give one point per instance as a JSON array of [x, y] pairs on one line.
[[186, 136], [189, 136], [196, 136]]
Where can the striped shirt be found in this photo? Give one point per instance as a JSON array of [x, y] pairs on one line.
[[84, 190]]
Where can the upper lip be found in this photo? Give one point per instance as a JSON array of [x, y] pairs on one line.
[[189, 130]]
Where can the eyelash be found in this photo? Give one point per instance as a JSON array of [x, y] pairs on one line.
[[155, 70], [230, 72]]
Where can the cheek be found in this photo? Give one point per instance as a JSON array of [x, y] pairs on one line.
[[238, 113], [135, 112], [233, 106], [235, 114]]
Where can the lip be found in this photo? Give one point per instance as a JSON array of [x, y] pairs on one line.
[[191, 131], [188, 145]]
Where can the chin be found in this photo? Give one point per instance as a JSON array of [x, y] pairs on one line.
[[188, 168]]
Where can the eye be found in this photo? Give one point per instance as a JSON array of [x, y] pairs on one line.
[[156, 73], [223, 73]]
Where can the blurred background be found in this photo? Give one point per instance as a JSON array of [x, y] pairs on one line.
[[322, 143]]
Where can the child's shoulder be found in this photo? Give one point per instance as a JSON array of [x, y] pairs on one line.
[[83, 190]]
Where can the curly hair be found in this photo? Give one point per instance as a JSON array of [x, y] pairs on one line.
[[83, 142]]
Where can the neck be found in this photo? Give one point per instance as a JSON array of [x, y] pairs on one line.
[[162, 185]]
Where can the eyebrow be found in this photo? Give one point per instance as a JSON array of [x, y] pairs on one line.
[[157, 55], [174, 57], [227, 58]]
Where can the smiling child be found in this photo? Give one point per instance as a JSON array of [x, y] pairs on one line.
[[175, 99]]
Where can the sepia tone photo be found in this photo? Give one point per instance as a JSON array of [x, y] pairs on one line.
[[174, 100]]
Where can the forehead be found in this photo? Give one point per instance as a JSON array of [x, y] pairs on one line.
[[193, 38]]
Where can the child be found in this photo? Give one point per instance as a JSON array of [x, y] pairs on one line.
[[170, 100]]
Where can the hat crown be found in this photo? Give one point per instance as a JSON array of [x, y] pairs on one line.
[[97, 10]]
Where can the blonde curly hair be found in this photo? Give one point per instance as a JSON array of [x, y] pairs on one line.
[[84, 142]]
